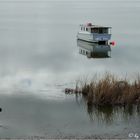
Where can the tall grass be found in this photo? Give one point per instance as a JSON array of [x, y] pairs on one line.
[[110, 90]]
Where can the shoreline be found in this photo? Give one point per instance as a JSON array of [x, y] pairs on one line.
[[109, 90]]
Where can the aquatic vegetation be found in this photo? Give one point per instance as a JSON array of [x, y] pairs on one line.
[[110, 90]]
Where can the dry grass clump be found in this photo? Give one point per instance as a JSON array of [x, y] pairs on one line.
[[110, 90]]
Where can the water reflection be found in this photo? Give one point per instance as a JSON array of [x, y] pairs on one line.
[[101, 113], [94, 50], [108, 114]]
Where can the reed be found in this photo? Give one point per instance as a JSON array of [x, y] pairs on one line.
[[110, 90]]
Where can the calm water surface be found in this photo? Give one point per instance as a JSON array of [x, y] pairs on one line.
[[39, 57]]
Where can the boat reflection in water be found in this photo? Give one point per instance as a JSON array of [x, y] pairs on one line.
[[94, 50]]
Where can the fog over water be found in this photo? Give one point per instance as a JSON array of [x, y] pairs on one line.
[[38, 39], [39, 56]]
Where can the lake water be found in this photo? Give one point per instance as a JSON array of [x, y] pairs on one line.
[[39, 58]]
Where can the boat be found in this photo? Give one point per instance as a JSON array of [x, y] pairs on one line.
[[94, 33], [93, 41], [93, 50]]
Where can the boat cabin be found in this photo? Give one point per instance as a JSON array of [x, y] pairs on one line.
[[95, 29]]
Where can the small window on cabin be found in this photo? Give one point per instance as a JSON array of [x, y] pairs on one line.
[[105, 30], [94, 30], [100, 30], [86, 29], [83, 51]]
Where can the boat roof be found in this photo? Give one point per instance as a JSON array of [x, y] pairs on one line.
[[89, 25]]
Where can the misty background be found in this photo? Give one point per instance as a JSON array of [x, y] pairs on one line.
[[38, 44], [39, 58]]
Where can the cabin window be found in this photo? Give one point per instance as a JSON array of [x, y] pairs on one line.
[[82, 28], [99, 30], [86, 29], [83, 51], [103, 30], [94, 30]]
